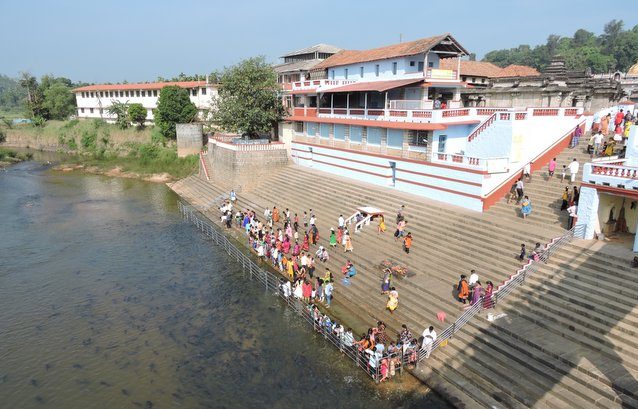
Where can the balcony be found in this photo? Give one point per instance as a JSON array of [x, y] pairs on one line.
[[612, 173], [439, 74]]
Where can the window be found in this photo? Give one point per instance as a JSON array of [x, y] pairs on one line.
[[339, 132], [412, 63], [203, 91], [91, 110], [361, 72], [194, 93], [482, 80], [420, 67], [376, 70], [473, 79], [442, 140], [395, 138], [92, 95], [346, 73], [137, 93], [311, 129], [394, 68], [463, 78], [154, 92], [102, 94], [430, 64], [419, 138], [82, 110], [356, 134], [324, 131], [374, 136], [111, 94], [126, 93], [299, 127], [143, 93], [332, 74], [83, 95]]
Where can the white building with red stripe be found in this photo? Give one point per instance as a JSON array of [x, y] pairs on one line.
[[393, 117], [93, 101]]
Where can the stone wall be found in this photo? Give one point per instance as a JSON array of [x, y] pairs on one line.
[[190, 139], [243, 168]]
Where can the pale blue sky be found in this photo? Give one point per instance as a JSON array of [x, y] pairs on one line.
[[137, 40]]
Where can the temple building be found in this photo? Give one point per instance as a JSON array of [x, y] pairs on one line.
[[297, 65], [394, 116], [93, 101], [480, 73]]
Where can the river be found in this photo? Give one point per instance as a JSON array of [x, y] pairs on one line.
[[110, 300]]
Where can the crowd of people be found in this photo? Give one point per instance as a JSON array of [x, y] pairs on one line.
[[470, 290]]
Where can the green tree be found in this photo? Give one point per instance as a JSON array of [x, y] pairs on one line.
[[173, 107], [34, 100], [120, 111], [137, 114], [59, 101], [248, 100], [625, 50]]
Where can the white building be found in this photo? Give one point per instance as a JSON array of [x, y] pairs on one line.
[[93, 101]]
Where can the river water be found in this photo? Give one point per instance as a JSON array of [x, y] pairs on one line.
[[109, 300]]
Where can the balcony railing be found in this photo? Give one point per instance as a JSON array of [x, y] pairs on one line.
[[439, 74], [491, 165]]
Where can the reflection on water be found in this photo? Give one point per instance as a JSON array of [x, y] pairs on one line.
[[110, 300]]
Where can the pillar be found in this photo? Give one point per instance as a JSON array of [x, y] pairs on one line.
[[588, 213]]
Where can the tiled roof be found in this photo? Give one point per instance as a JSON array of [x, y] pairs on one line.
[[296, 66], [487, 69], [140, 86], [322, 48], [346, 57], [518, 71], [478, 68]]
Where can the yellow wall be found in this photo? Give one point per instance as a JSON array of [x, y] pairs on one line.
[[607, 201]]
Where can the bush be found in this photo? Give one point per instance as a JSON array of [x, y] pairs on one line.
[[72, 144], [3, 136], [89, 140], [137, 114], [38, 121], [70, 124]]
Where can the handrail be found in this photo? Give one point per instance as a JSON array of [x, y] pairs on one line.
[[272, 282], [202, 161], [481, 127], [513, 282]]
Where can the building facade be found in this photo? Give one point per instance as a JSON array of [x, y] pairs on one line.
[[93, 101], [393, 116], [297, 65]]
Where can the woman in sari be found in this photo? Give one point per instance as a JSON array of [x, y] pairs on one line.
[[296, 249], [333, 238], [526, 207], [477, 292], [348, 246], [285, 246], [604, 124], [487, 298], [381, 227], [393, 300], [275, 214], [339, 234], [609, 150], [306, 245]]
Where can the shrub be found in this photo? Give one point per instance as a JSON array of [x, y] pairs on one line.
[[38, 121], [70, 124], [71, 143], [89, 140], [3, 136]]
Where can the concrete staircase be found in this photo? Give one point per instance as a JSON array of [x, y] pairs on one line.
[[566, 341]]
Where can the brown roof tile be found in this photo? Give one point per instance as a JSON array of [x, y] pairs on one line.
[[518, 71], [478, 68], [346, 57]]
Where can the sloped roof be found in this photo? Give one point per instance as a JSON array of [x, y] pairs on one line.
[[322, 48], [346, 57], [140, 86], [296, 66], [478, 68], [518, 71]]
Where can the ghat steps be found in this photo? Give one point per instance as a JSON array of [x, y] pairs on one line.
[[566, 338]]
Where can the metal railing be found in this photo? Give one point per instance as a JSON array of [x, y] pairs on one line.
[[515, 281], [273, 282]]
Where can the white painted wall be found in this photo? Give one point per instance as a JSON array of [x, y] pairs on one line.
[[456, 138], [404, 70]]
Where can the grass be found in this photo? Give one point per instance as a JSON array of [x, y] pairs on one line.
[[96, 143], [8, 155]]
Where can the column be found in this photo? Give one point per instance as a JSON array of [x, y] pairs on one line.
[[588, 213]]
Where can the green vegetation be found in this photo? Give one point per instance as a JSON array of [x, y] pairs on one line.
[[248, 100], [137, 114], [10, 156], [106, 146], [615, 49], [51, 98], [173, 107]]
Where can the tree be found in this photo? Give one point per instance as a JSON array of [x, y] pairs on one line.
[[582, 37], [137, 114], [248, 100], [625, 50], [173, 107], [612, 30], [120, 110], [34, 95], [59, 101]]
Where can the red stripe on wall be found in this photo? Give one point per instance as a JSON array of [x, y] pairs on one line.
[[440, 177], [455, 192], [354, 169]]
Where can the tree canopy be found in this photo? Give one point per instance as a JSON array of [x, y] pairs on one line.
[[614, 49], [248, 101], [137, 114], [173, 107], [51, 98]]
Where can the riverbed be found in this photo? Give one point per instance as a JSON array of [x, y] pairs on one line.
[[110, 300]]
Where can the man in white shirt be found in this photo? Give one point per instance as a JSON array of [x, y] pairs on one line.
[[429, 336], [573, 169], [573, 215], [527, 171], [312, 220], [474, 277], [598, 141], [342, 222]]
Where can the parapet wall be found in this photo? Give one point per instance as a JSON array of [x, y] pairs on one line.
[[190, 139], [244, 165]]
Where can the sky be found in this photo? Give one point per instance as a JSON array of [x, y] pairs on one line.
[[139, 40]]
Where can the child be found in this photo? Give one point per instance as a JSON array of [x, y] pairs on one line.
[[521, 257], [407, 243], [512, 194], [552, 167], [563, 173]]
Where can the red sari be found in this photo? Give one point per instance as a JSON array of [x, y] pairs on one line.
[[305, 246]]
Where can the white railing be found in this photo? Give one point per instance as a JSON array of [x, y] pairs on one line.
[[312, 84], [272, 146], [491, 165], [411, 104]]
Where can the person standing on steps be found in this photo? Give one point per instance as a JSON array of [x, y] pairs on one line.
[[573, 215], [407, 243], [233, 196], [551, 167], [429, 336], [598, 141], [463, 290], [565, 198], [574, 166], [527, 171], [526, 207], [578, 132], [575, 195], [519, 190]]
